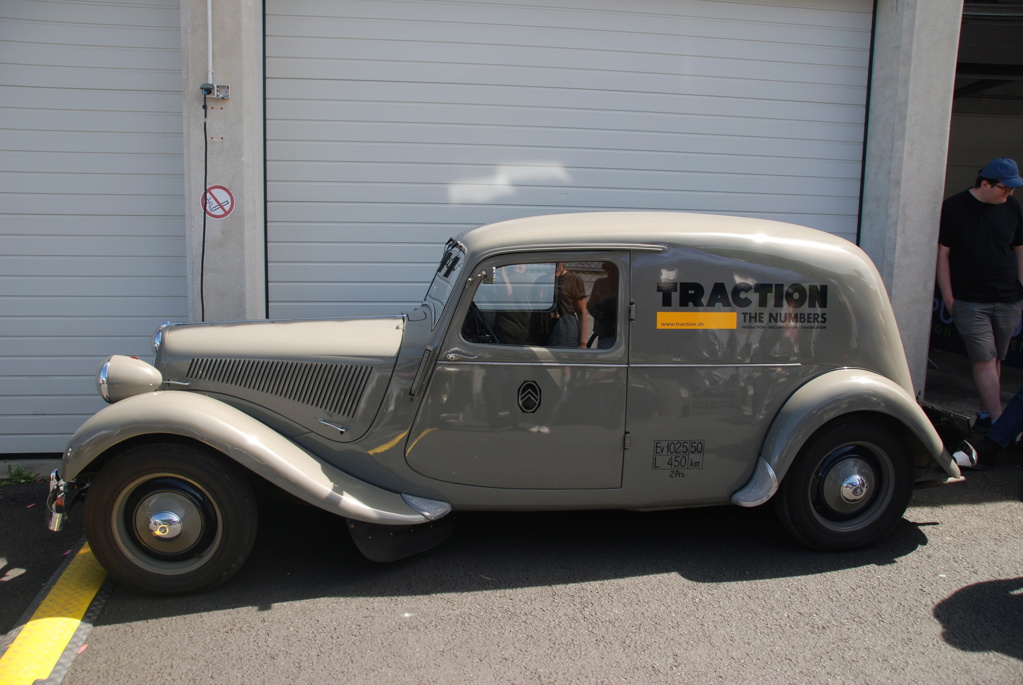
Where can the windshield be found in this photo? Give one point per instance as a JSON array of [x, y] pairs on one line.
[[444, 279]]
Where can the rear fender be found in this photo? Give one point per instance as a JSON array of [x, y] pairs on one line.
[[250, 443], [824, 399]]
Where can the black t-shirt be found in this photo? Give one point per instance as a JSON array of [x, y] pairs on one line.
[[570, 289], [981, 238]]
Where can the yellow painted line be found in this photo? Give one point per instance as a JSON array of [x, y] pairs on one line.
[[34, 653]]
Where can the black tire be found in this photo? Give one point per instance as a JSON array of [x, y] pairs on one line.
[[848, 486], [201, 543]]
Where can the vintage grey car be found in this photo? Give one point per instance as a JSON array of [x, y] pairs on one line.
[[584, 361]]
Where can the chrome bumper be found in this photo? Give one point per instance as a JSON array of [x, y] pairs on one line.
[[62, 496]]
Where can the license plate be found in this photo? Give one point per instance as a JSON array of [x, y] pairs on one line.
[[678, 454]]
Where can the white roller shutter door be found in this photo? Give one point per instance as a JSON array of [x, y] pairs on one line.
[[391, 125], [91, 202]]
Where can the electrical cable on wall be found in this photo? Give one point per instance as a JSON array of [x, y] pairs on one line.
[[209, 199], [205, 185], [206, 88]]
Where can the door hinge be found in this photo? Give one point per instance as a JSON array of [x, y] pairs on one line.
[[632, 311], [627, 442]]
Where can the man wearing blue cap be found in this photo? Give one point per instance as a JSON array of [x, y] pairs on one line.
[[980, 261]]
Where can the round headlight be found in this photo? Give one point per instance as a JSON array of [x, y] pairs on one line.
[[120, 377], [101, 380], [158, 338]]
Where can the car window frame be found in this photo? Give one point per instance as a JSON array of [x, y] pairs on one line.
[[455, 344]]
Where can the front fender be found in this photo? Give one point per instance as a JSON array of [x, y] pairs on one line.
[[823, 399], [248, 442]]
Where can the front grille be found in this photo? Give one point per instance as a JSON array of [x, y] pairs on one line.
[[334, 388]]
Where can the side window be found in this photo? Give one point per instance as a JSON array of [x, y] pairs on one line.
[[546, 304]]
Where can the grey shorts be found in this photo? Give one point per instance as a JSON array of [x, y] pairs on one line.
[[986, 327]]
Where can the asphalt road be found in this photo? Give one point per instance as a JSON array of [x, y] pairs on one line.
[[696, 596], [29, 553]]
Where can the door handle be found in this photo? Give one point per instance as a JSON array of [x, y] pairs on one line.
[[459, 357]]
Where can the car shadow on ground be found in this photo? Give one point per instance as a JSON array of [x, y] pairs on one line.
[[302, 553]]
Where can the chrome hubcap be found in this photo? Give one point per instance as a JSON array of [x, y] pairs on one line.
[[168, 522], [845, 484], [170, 519], [165, 524], [855, 488]]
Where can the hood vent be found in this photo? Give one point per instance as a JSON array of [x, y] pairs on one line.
[[334, 388]]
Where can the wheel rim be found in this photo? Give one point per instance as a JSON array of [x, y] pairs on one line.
[[851, 486], [166, 524]]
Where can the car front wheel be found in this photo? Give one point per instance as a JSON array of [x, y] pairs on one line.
[[170, 518], [848, 486]]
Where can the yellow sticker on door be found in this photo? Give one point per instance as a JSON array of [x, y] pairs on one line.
[[698, 320]]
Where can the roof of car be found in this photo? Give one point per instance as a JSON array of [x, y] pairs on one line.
[[633, 229]]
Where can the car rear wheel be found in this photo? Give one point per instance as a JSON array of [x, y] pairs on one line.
[[170, 518], [849, 485]]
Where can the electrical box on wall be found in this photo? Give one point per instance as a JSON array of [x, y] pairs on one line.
[[217, 91]]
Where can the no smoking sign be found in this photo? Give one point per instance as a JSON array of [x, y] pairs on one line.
[[218, 202]]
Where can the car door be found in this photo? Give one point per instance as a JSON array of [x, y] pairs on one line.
[[513, 401], [712, 360]]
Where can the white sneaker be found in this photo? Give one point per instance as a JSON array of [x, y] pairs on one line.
[[965, 456]]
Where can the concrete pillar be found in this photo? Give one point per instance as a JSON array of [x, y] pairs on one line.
[[914, 62], [227, 263]]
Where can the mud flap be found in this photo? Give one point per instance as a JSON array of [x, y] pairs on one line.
[[952, 427], [390, 543]]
